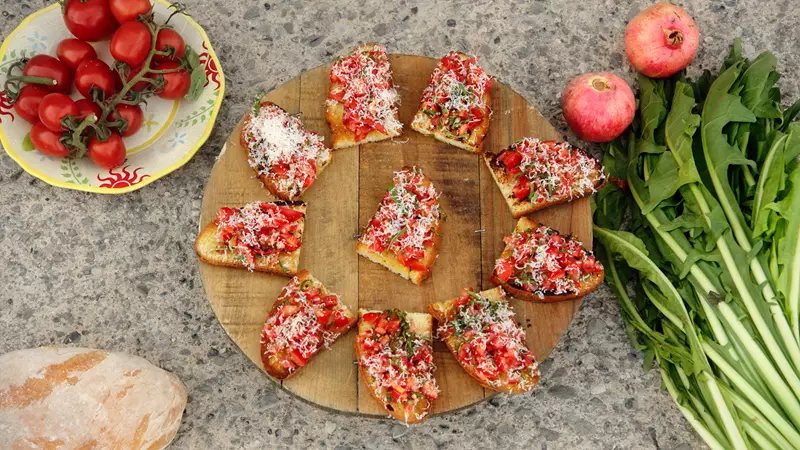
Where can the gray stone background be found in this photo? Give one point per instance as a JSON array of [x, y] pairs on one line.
[[119, 272]]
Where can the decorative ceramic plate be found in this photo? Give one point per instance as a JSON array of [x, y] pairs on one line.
[[172, 132]]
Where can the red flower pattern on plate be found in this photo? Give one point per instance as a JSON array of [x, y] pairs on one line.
[[121, 179], [212, 74], [5, 106]]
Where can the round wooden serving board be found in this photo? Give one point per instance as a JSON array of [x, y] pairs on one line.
[[343, 200]]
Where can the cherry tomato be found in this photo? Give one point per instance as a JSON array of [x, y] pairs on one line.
[[107, 154], [89, 20], [133, 114], [54, 108], [94, 72], [177, 83], [169, 37], [131, 43], [47, 141], [72, 52], [48, 67], [129, 10], [27, 104], [87, 107]]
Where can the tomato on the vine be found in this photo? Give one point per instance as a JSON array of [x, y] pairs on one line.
[[72, 52], [167, 37], [89, 20], [94, 72], [48, 67], [109, 153], [176, 83], [54, 108], [87, 107], [141, 85], [129, 10], [27, 104], [131, 43], [47, 141], [133, 114]]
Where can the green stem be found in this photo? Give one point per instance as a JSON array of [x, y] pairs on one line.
[[768, 427]]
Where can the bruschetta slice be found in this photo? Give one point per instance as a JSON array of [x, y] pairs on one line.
[[405, 233], [304, 319], [260, 236], [286, 157], [456, 105], [540, 265], [395, 358], [534, 174], [480, 331], [362, 99]]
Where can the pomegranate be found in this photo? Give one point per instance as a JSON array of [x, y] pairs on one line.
[[661, 40], [598, 107]]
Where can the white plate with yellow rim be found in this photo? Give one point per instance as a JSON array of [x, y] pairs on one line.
[[172, 132]]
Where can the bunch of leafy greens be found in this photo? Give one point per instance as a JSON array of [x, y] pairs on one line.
[[706, 264]]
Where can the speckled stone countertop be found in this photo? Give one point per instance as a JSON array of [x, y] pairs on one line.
[[119, 272]]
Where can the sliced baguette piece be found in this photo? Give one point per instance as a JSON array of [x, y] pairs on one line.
[[270, 182], [474, 141], [444, 312], [391, 261], [207, 244], [584, 287], [341, 136], [272, 362], [520, 208], [420, 324]]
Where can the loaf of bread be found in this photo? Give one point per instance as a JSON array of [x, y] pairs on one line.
[[70, 398]]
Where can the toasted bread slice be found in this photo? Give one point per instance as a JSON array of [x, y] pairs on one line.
[[290, 188], [208, 249], [585, 285], [473, 140], [389, 258], [343, 137], [277, 361], [519, 381], [583, 186], [420, 326]]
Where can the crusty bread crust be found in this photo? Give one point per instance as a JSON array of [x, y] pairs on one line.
[[441, 311], [341, 136], [473, 143], [268, 182], [586, 286], [520, 208], [272, 364], [390, 260], [422, 325], [207, 243]]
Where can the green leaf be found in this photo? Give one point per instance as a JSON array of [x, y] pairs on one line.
[[198, 74], [758, 81], [770, 182], [27, 145]]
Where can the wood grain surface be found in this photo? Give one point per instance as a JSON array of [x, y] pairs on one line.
[[343, 200]]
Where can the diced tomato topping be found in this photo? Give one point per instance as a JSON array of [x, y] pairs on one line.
[[371, 317], [522, 189], [297, 358], [340, 319], [504, 269], [510, 159]]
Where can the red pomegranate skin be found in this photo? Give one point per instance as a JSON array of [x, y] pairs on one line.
[[661, 40], [598, 107]]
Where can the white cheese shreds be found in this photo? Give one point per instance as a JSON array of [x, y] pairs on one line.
[[280, 148]]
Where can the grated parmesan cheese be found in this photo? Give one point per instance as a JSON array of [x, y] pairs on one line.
[[280, 148]]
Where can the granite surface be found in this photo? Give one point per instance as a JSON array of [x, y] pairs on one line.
[[119, 272]]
